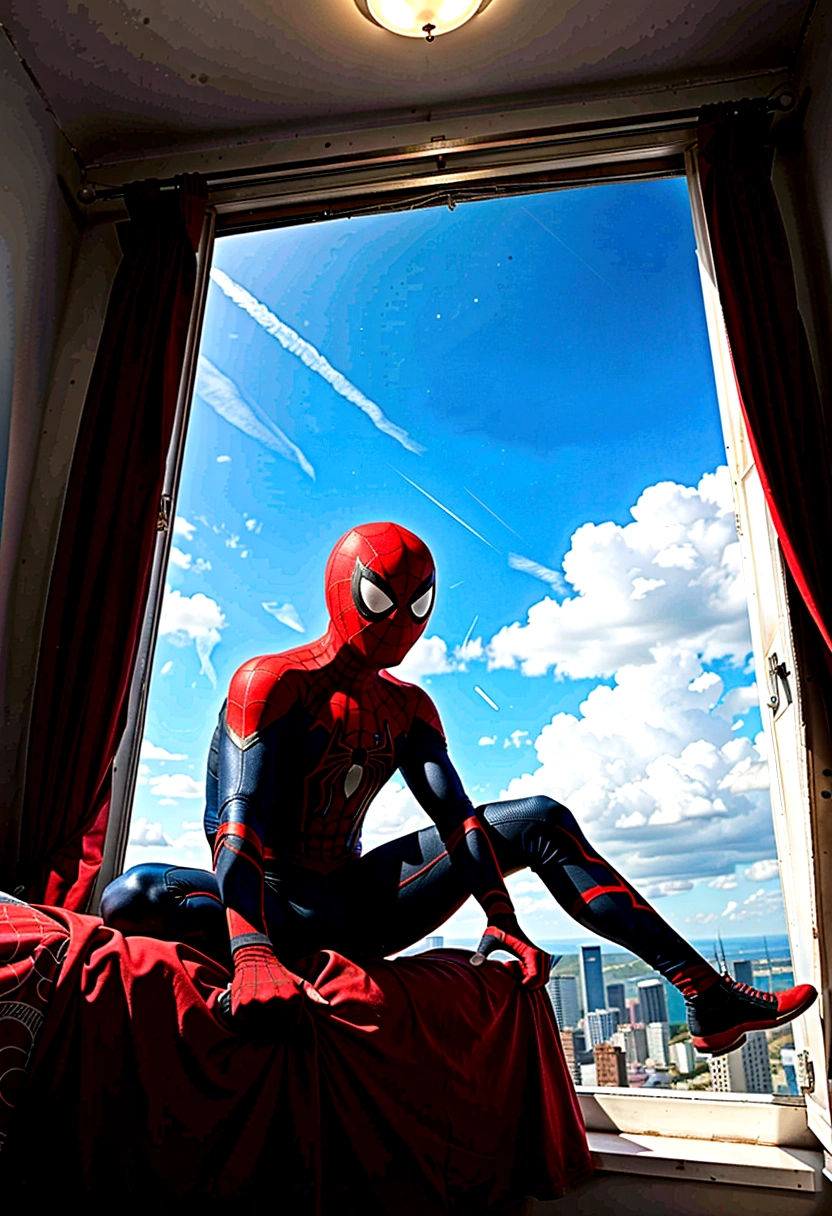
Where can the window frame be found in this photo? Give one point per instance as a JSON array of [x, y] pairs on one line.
[[489, 165]]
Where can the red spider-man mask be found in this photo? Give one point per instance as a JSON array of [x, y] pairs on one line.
[[380, 584]]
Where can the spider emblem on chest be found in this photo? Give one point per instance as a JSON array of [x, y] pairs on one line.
[[348, 778]]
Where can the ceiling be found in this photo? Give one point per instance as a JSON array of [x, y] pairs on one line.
[[128, 79]]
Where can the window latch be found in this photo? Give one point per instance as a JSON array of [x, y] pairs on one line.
[[163, 518], [778, 677], [804, 1072]]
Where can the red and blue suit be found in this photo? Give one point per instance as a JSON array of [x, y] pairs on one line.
[[304, 742]]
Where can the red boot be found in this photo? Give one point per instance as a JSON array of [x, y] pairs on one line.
[[720, 1017]]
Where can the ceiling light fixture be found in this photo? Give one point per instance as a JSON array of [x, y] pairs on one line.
[[421, 18]]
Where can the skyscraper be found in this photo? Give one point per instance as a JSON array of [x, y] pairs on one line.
[[610, 1065], [570, 1054], [563, 993], [633, 1042], [652, 1000], [600, 1025], [658, 1043], [746, 1070], [616, 1000], [633, 1011], [434, 943], [743, 970], [683, 1055], [592, 978]]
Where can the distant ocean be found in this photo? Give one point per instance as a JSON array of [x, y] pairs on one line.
[[753, 948]]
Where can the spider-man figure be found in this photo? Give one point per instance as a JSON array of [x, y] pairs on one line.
[[304, 742]]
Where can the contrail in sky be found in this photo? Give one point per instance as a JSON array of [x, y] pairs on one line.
[[447, 510], [525, 564], [490, 512], [568, 248], [470, 631], [308, 354], [486, 698], [223, 396]]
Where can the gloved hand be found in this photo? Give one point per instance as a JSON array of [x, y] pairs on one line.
[[265, 998], [504, 933]]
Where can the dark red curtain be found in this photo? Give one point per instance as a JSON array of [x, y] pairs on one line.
[[105, 547], [773, 365]]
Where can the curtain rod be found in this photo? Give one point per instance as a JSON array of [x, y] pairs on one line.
[[229, 179]]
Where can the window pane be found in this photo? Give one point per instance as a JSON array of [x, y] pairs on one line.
[[526, 384]]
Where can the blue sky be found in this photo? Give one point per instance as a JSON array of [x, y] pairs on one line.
[[538, 366]]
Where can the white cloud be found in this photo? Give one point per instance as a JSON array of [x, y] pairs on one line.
[[758, 906], [223, 460], [176, 785], [620, 610], [655, 775], [201, 565], [181, 527], [151, 752], [189, 848], [195, 618], [674, 886], [167, 668], [251, 524], [143, 834], [516, 738], [179, 559], [393, 812], [488, 740], [287, 614], [723, 882], [763, 871], [729, 908], [429, 657]]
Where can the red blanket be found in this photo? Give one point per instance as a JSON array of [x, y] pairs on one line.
[[427, 1086]]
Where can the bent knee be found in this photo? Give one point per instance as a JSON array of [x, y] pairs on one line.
[[540, 806], [133, 898], [537, 808]]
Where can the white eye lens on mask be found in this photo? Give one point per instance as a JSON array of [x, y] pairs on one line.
[[374, 598], [421, 607]]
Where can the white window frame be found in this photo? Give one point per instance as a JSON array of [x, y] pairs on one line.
[[783, 718], [751, 1120]]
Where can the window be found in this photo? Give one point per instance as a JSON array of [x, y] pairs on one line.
[[525, 382]]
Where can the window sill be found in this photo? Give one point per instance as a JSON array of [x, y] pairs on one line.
[[762, 1165], [753, 1119]]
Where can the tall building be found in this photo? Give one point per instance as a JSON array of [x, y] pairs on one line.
[[610, 1065], [743, 970], [592, 978], [677, 1010], [434, 943], [683, 1055], [589, 1075], [570, 1054], [651, 998], [633, 1042], [601, 1024], [745, 1071], [633, 1010], [616, 1000], [787, 1059], [563, 993], [658, 1043], [756, 1063]]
